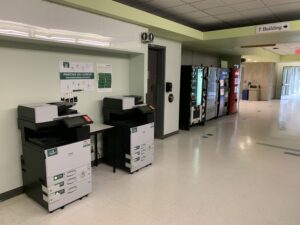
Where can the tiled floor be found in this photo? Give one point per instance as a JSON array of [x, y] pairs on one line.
[[225, 179]]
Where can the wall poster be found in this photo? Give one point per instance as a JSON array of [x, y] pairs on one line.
[[76, 76], [104, 77]]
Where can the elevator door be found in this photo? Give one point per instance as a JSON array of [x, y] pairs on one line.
[[155, 92]]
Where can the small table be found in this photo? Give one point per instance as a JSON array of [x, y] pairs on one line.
[[95, 129]]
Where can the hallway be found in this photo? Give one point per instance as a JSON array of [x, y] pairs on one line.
[[241, 169]]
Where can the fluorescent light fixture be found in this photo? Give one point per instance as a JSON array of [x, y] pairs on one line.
[[93, 42], [14, 32], [55, 38], [55, 35]]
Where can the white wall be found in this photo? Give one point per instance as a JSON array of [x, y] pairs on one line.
[[124, 36], [32, 76], [279, 70], [29, 72], [172, 74]]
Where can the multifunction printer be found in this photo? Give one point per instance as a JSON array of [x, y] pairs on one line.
[[130, 146], [56, 158]]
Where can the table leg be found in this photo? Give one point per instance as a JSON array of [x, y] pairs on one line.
[[96, 149], [114, 154]]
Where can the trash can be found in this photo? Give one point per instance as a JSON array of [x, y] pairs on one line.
[[245, 94], [254, 92]]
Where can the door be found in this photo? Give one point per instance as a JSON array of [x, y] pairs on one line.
[[156, 83], [290, 83], [285, 82]]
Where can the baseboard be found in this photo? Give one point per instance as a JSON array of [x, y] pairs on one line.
[[171, 134], [12, 193]]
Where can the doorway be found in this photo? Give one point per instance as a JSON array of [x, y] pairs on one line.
[[290, 83], [156, 83]]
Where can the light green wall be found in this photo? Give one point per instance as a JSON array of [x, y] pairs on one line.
[[290, 58], [31, 75]]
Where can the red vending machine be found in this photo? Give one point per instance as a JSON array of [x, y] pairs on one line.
[[234, 80]]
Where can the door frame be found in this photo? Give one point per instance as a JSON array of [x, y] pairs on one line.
[[160, 90]]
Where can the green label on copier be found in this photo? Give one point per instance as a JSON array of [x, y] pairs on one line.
[[52, 152]]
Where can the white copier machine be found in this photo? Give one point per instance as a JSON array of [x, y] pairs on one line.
[[56, 158]]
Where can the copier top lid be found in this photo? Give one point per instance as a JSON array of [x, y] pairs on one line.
[[119, 97], [62, 106], [45, 112], [35, 105]]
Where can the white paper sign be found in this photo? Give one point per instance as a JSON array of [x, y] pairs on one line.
[[104, 77], [273, 27], [76, 76]]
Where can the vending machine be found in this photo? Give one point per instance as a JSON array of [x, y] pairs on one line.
[[212, 93], [234, 80], [223, 92], [192, 96]]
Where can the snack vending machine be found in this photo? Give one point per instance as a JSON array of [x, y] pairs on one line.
[[193, 86], [234, 80]]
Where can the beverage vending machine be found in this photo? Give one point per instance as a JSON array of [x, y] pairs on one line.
[[234, 81]]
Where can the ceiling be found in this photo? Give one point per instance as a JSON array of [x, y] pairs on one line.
[[207, 15], [285, 48]]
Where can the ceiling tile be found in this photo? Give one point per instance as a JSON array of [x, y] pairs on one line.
[[191, 1], [253, 13], [234, 1], [219, 10], [196, 14], [286, 8], [206, 4], [248, 5], [278, 2], [207, 20], [182, 9], [165, 3], [229, 16]]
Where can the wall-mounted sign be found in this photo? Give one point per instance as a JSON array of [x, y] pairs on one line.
[[76, 76], [147, 37], [273, 27], [104, 79]]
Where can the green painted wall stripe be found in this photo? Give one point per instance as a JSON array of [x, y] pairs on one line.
[[290, 58]]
